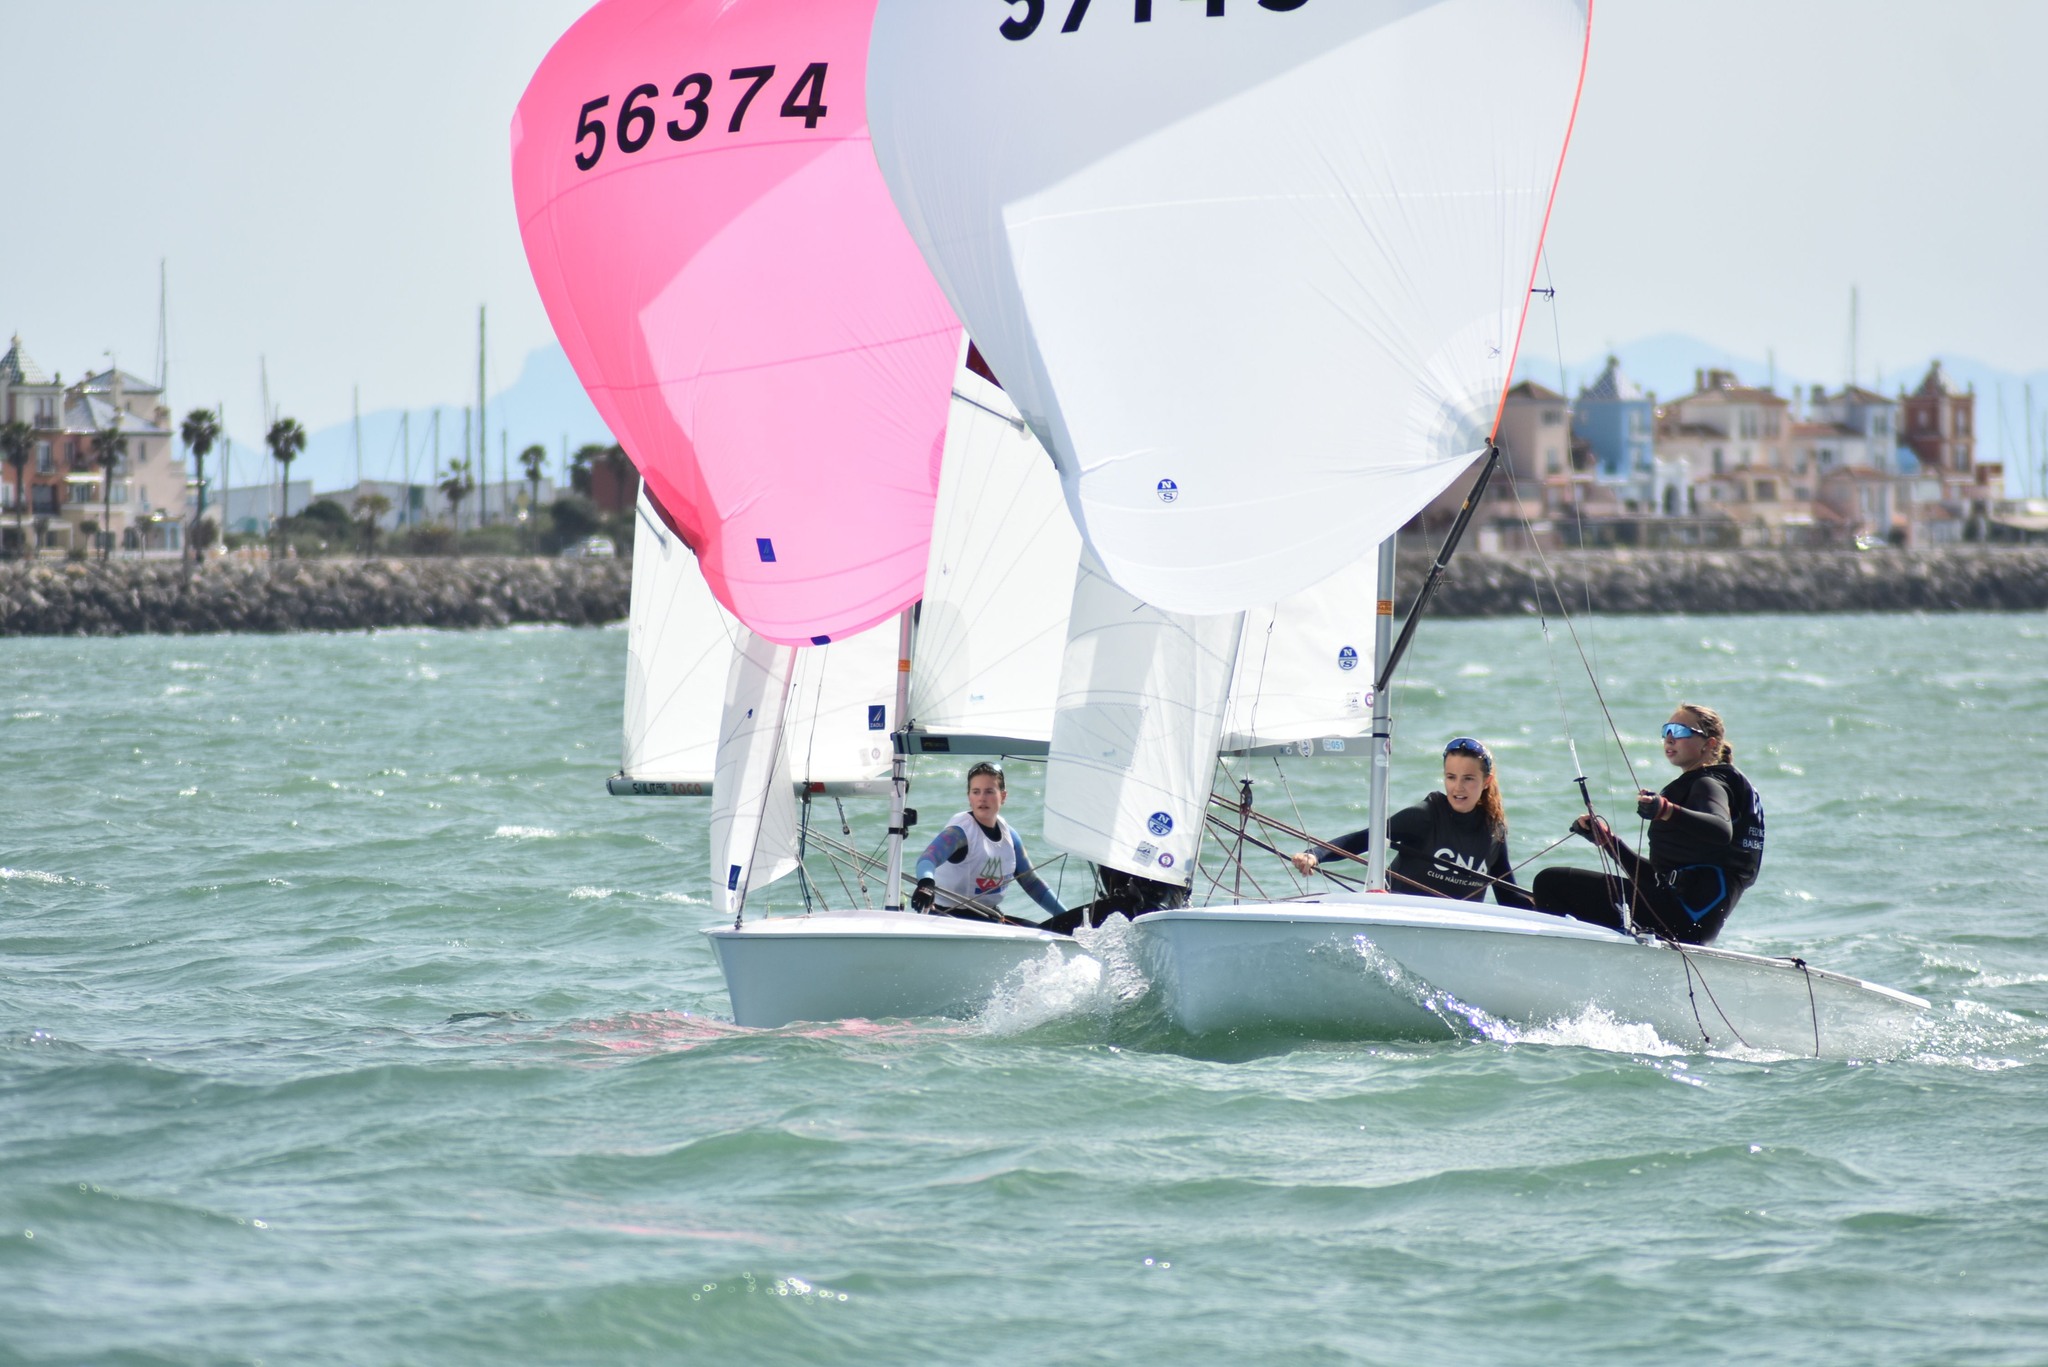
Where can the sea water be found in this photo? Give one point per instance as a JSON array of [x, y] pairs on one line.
[[344, 1019]]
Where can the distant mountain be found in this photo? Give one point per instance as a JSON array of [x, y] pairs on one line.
[[1667, 363], [545, 404]]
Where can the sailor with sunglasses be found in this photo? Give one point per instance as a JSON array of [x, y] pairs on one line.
[[1706, 844], [1451, 844]]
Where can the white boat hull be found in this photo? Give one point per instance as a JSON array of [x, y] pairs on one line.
[[870, 965], [1392, 967]]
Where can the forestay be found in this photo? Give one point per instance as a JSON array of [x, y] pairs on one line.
[[721, 262], [1254, 271], [1134, 737], [993, 625]]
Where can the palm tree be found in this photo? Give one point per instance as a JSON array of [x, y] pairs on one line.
[[17, 440], [456, 487], [200, 430], [108, 446], [533, 459], [286, 440], [368, 509]]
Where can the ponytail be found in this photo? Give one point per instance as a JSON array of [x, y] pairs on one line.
[[1709, 724]]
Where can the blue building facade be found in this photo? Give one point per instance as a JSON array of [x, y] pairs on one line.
[[1618, 421]]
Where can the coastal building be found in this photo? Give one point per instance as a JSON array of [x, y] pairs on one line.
[[140, 501], [1617, 419], [1737, 443], [1938, 423], [1864, 491], [419, 505], [250, 509], [145, 508], [30, 396]]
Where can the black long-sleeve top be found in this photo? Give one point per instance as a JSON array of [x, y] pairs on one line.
[[1442, 852]]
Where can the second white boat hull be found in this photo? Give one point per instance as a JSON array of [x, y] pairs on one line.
[[871, 965], [1390, 966]]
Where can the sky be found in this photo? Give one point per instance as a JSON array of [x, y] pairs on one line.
[[328, 184]]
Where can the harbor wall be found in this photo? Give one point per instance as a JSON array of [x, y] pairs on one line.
[[1956, 579], [126, 598], [170, 598]]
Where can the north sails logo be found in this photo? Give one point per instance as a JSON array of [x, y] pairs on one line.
[[1159, 823], [1347, 658], [1168, 491]]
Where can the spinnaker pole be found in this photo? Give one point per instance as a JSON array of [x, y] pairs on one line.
[[1436, 571]]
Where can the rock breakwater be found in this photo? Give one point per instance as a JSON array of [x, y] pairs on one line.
[[168, 598], [1974, 579]]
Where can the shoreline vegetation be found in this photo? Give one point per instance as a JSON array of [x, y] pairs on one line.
[[173, 598]]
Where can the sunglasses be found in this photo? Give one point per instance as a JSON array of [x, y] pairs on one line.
[[1465, 745], [1678, 730]]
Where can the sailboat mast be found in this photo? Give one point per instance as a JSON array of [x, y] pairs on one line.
[[1382, 722], [899, 768]]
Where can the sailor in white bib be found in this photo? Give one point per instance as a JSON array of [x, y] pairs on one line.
[[978, 855]]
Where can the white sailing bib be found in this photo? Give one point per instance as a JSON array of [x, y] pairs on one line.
[[988, 866]]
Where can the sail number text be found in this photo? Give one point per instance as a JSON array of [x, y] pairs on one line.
[[1018, 27], [638, 117]]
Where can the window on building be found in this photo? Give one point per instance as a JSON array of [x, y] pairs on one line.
[[1552, 417], [44, 464], [1962, 422], [1801, 492], [46, 412], [1747, 425], [1717, 460], [1766, 491]]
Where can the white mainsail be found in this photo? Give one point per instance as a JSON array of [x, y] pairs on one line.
[[993, 623], [1256, 275], [1141, 701]]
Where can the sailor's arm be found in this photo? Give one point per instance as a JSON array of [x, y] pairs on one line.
[[1501, 869], [1358, 842], [946, 847], [1028, 879], [1704, 817]]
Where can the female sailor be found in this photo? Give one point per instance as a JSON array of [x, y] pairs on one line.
[[977, 856], [1451, 844], [1706, 844]]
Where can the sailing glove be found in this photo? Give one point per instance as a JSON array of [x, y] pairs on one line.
[[1653, 807], [926, 894]]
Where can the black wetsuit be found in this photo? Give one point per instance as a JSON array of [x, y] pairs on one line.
[[1442, 852], [1702, 859]]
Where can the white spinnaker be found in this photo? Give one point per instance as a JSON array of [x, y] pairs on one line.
[[1304, 667], [1134, 736], [680, 646], [1256, 278], [753, 801], [993, 626]]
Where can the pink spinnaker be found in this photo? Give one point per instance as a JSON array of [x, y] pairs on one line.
[[732, 283]]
